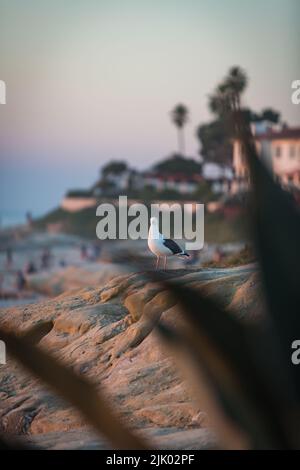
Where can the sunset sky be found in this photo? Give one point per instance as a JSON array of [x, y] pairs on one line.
[[94, 80]]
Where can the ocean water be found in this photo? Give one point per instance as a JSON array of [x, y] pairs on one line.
[[12, 218]]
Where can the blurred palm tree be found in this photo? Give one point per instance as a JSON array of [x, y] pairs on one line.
[[236, 82], [219, 102], [227, 95], [180, 115]]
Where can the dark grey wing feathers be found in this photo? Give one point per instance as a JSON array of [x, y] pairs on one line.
[[172, 246]]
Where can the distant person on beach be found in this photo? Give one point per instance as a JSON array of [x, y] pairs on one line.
[[29, 219], [30, 268], [97, 250], [20, 281], [83, 251], [9, 257], [45, 259]]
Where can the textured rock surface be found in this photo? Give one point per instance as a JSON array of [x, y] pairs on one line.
[[106, 334], [59, 280]]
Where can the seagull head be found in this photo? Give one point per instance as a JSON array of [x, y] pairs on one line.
[[153, 221]]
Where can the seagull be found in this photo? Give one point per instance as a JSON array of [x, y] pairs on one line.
[[161, 246]]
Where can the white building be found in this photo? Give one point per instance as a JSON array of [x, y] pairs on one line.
[[179, 182], [73, 203], [220, 176], [280, 151]]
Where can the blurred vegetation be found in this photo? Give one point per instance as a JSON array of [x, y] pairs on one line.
[[218, 227], [79, 193], [82, 223], [115, 167], [215, 137], [180, 116], [178, 164], [241, 258]]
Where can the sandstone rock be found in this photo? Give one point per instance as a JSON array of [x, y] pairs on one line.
[[106, 333], [59, 280]]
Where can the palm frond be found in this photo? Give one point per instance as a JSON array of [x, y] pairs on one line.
[[78, 391], [276, 231]]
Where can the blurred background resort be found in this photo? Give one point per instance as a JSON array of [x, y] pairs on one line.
[[129, 98]]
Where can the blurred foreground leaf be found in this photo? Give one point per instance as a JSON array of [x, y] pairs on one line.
[[76, 390], [222, 347], [276, 227], [37, 332]]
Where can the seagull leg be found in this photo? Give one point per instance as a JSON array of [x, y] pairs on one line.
[[157, 263], [165, 262]]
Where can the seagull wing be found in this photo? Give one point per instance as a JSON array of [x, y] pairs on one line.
[[172, 246]]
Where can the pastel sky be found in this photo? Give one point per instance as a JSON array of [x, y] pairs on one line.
[[94, 80]]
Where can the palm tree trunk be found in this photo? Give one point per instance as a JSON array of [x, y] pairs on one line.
[[181, 143]]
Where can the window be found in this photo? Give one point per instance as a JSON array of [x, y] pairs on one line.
[[278, 151], [292, 151]]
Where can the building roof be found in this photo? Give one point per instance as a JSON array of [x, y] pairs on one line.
[[176, 177], [284, 133]]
